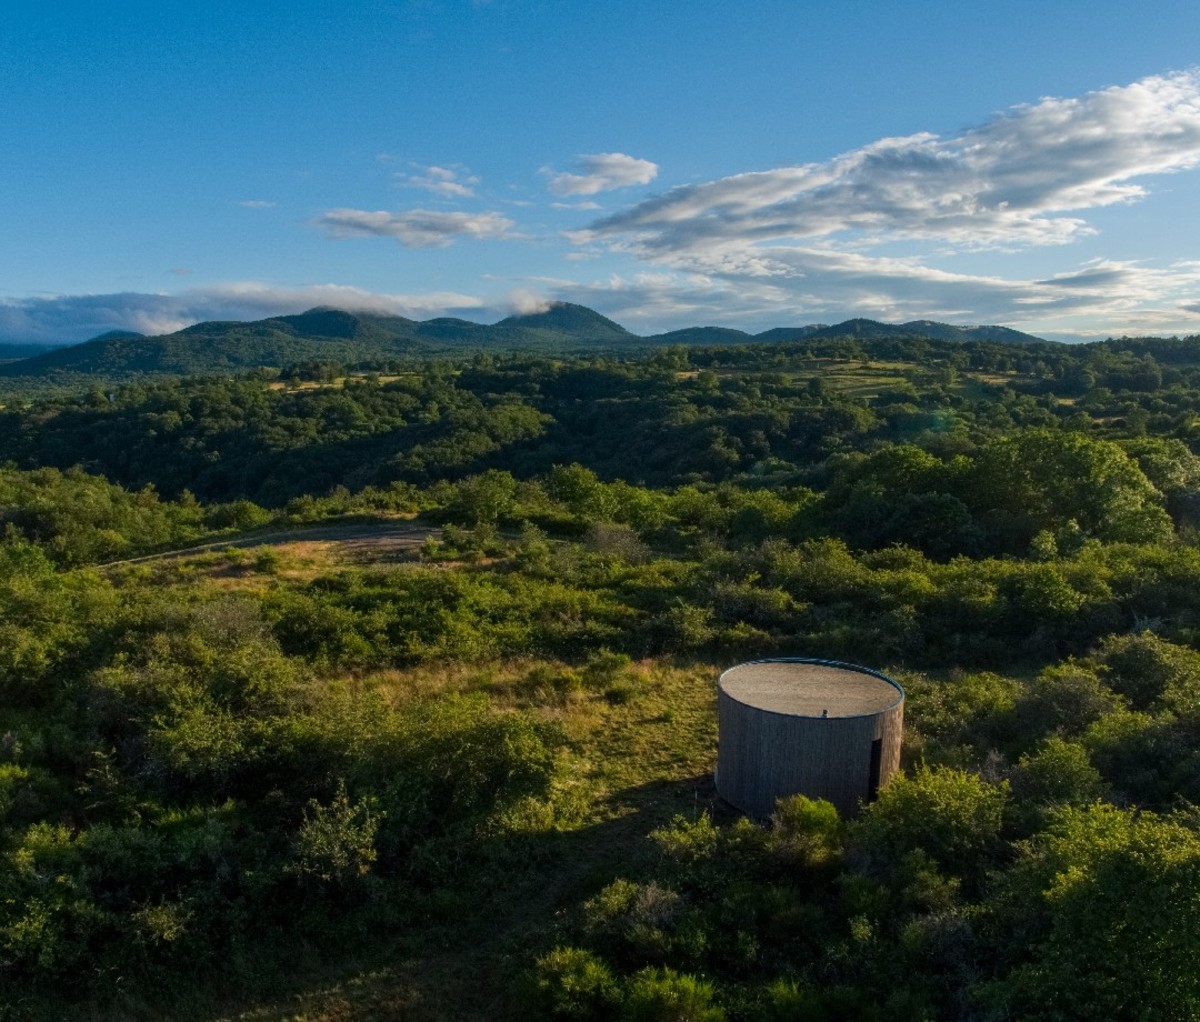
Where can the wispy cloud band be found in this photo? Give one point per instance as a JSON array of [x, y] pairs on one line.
[[1007, 183], [415, 228], [601, 172], [451, 182]]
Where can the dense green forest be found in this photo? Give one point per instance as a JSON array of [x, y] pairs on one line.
[[258, 761], [325, 335]]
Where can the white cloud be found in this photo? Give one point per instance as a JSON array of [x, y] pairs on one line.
[[791, 287], [587, 206], [257, 204], [814, 286], [454, 182], [650, 302], [601, 172], [804, 243], [526, 302], [415, 228], [71, 318], [1007, 183]]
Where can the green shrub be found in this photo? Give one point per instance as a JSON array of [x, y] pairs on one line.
[[1105, 905], [336, 842], [635, 920], [266, 560], [953, 816], [807, 832], [663, 995], [237, 514], [1149, 671], [574, 984], [548, 683], [1057, 773]]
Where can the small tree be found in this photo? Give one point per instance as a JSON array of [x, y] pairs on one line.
[[952, 816], [336, 843], [1102, 914]]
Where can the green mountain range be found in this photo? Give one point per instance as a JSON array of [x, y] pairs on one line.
[[334, 335], [12, 352]]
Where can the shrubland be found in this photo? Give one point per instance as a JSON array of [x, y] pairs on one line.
[[470, 778]]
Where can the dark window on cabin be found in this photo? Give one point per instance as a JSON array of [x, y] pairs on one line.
[[876, 764]]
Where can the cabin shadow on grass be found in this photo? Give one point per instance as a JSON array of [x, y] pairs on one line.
[[468, 960]]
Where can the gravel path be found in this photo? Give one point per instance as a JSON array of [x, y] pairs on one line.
[[358, 537]]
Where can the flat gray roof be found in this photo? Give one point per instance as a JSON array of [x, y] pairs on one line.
[[806, 689]]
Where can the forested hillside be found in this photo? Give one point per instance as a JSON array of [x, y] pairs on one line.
[[325, 335], [319, 776]]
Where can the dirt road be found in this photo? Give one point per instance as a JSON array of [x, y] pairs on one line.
[[379, 538]]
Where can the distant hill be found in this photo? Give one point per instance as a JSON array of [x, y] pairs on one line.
[[318, 335], [782, 334], [872, 330], [946, 332], [11, 352], [111, 335], [327, 335], [448, 329], [334, 335], [700, 335], [864, 329], [574, 320], [324, 322], [562, 327]]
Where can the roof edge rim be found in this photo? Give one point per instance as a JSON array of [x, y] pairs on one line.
[[817, 661]]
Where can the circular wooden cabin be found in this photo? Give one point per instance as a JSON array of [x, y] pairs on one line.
[[811, 727]]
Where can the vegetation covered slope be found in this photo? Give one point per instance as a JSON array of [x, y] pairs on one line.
[[329, 780], [572, 320], [322, 335], [13, 352], [331, 335]]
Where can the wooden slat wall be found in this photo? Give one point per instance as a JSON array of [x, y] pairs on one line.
[[763, 756]]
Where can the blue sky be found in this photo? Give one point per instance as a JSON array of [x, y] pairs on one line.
[[667, 163]]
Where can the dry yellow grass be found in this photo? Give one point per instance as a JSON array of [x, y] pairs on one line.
[[336, 384]]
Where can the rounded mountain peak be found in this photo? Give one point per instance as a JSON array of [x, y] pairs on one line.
[[566, 317]]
